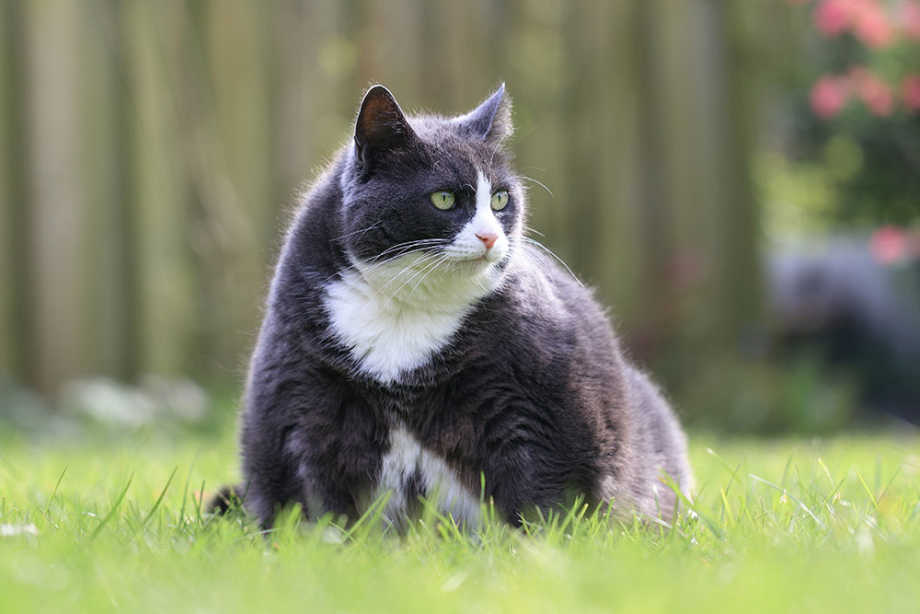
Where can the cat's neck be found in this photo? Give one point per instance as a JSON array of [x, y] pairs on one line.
[[395, 317], [414, 284]]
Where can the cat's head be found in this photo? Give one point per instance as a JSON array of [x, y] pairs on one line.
[[434, 195]]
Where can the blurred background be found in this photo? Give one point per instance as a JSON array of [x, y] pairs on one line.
[[739, 180]]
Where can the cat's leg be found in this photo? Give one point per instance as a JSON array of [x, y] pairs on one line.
[[524, 474], [307, 439], [270, 479], [665, 445]]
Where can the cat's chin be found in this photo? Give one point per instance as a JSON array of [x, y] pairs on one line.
[[470, 260], [483, 261], [476, 265]]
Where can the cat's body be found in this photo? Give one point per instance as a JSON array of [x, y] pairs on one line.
[[426, 352]]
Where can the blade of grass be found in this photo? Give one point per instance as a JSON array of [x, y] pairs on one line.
[[827, 471], [835, 490], [868, 490], [188, 479], [710, 524], [786, 471], [112, 511], [159, 500], [54, 492], [374, 510], [888, 485], [727, 507], [728, 467], [198, 505], [791, 496], [575, 513]]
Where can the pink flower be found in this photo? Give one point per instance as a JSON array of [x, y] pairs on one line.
[[888, 244], [828, 96], [910, 92], [858, 75], [870, 24], [832, 16], [910, 19], [874, 92]]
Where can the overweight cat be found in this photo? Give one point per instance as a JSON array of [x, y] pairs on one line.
[[415, 344]]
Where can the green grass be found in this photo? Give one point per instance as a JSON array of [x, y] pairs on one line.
[[783, 525]]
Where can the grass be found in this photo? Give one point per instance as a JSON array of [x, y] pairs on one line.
[[105, 523]]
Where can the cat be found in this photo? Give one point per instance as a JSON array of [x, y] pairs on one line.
[[415, 345]]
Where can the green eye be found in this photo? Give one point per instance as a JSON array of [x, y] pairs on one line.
[[499, 200], [442, 200]]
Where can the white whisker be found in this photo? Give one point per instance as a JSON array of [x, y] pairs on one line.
[[407, 246], [555, 256], [539, 183], [429, 265], [431, 272], [362, 231], [412, 267], [533, 230]]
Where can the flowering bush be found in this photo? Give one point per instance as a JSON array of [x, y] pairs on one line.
[[864, 108], [878, 26]]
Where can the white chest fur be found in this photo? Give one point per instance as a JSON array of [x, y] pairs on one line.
[[407, 458], [393, 323]]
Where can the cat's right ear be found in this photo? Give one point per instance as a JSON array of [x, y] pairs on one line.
[[381, 127]]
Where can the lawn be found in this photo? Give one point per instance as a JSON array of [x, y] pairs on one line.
[[113, 521]]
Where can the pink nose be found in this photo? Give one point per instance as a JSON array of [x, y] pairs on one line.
[[488, 239]]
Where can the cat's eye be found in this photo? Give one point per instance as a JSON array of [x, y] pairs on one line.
[[499, 200], [443, 200]]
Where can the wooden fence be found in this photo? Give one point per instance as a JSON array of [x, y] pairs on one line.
[[152, 152]]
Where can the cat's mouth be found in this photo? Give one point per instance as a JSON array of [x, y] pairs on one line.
[[471, 258], [472, 265], [482, 258]]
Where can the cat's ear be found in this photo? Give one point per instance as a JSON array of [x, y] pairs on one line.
[[381, 126], [491, 120]]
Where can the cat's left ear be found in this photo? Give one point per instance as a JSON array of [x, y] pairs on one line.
[[491, 120], [381, 126]]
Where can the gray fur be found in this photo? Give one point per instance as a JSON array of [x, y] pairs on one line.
[[531, 391]]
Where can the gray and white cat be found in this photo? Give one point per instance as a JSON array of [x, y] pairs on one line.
[[414, 344]]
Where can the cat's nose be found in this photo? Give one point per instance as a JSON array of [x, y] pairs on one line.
[[488, 239]]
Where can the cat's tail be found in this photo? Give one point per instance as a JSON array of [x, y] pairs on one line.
[[228, 498]]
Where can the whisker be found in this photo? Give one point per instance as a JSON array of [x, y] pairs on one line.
[[412, 242], [539, 183], [429, 265], [554, 255], [533, 230], [405, 270], [323, 282], [412, 266], [362, 231], [444, 259], [407, 246]]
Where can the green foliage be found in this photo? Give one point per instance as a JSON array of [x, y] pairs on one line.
[[759, 396], [100, 525], [856, 132], [870, 166], [802, 197]]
